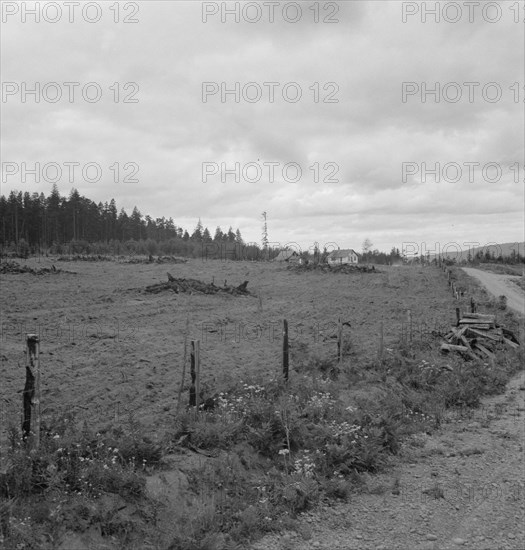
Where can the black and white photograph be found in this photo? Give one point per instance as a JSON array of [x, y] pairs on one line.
[[262, 275]]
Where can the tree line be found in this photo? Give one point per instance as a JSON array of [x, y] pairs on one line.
[[33, 223]]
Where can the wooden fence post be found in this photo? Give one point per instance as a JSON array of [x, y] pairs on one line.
[[183, 362], [195, 373], [31, 393], [472, 306], [409, 325], [381, 328], [339, 340], [458, 316], [286, 350]]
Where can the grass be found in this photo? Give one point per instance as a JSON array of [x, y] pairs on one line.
[[267, 450]]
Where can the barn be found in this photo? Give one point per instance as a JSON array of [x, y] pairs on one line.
[[342, 256]]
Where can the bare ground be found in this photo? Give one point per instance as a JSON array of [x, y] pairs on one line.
[[108, 348], [501, 285]]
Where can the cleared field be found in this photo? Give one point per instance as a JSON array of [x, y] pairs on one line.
[[108, 348]]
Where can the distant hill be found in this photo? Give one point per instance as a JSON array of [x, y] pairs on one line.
[[452, 252]]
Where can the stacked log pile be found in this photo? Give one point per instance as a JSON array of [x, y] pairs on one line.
[[477, 336], [191, 286]]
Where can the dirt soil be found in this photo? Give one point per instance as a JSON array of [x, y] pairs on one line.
[[500, 285], [108, 348]]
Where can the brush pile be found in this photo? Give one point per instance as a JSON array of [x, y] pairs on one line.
[[159, 260], [192, 286], [14, 267], [477, 336], [326, 268], [85, 258]]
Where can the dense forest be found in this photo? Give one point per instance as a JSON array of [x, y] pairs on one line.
[[36, 224]]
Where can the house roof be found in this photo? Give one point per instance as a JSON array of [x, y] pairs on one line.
[[285, 255], [342, 253]]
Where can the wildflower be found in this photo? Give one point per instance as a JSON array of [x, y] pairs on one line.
[[284, 452]]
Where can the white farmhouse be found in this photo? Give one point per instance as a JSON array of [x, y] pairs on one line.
[[342, 256]]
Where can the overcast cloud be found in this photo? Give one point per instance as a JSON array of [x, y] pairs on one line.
[[367, 135]]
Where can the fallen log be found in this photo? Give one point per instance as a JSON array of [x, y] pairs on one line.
[[452, 347], [509, 335], [483, 349], [485, 316], [488, 323], [475, 332], [510, 343]]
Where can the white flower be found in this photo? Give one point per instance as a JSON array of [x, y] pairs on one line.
[[284, 452]]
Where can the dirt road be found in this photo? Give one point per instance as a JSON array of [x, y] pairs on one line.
[[500, 285], [461, 487]]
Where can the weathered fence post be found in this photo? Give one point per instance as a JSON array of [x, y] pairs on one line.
[[409, 312], [31, 393], [472, 306], [286, 350], [380, 351], [339, 340], [183, 363], [195, 373], [458, 316]]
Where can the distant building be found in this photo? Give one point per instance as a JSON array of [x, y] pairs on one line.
[[289, 256], [342, 256]]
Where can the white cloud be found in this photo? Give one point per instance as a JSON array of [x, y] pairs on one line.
[[369, 133]]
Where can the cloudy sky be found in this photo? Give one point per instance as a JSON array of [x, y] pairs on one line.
[[364, 125]]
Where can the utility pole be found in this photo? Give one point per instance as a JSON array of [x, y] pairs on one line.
[[265, 237]]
